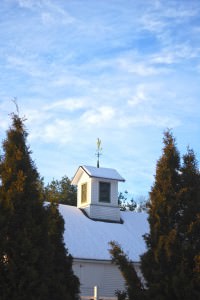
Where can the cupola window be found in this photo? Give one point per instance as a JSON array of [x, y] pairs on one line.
[[104, 192], [84, 193]]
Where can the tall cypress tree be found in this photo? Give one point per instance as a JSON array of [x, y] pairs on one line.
[[27, 247], [171, 264], [159, 261], [187, 280], [23, 229], [63, 283]]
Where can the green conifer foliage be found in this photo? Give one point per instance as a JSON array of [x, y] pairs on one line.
[[63, 283], [26, 255], [171, 264], [61, 191], [134, 286], [159, 261], [187, 281], [23, 230]]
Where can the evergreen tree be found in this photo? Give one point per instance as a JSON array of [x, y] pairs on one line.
[[61, 191], [187, 281], [23, 229], [134, 287], [63, 283], [140, 204], [27, 248], [162, 256], [171, 264]]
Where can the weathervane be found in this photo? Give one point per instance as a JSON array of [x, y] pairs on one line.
[[99, 149]]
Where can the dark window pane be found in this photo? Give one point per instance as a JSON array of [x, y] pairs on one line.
[[104, 191]]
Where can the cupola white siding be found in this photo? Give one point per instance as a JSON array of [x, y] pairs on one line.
[[97, 192]]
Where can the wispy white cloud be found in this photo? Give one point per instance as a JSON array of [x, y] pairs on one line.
[[59, 129], [175, 11], [28, 66], [123, 71], [99, 116], [47, 127], [152, 24], [145, 120], [29, 3], [139, 97], [176, 54], [54, 14], [47, 18], [139, 68], [69, 79], [67, 104]]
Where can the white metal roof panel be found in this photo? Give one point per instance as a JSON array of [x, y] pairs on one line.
[[88, 239], [106, 173]]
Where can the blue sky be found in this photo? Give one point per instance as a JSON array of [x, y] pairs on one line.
[[123, 71]]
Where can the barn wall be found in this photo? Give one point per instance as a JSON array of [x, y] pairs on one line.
[[102, 274]]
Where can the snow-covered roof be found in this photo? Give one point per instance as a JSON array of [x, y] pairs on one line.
[[105, 173], [88, 239]]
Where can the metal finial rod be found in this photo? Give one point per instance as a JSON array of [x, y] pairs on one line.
[[99, 149]]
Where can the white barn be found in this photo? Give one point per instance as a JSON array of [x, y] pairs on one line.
[[95, 222]]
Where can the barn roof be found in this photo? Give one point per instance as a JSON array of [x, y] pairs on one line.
[[105, 173], [88, 239]]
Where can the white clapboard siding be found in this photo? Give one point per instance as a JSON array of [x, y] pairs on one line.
[[105, 212], [113, 190], [94, 208], [105, 275]]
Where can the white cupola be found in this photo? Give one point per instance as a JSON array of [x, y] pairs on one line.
[[97, 192]]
